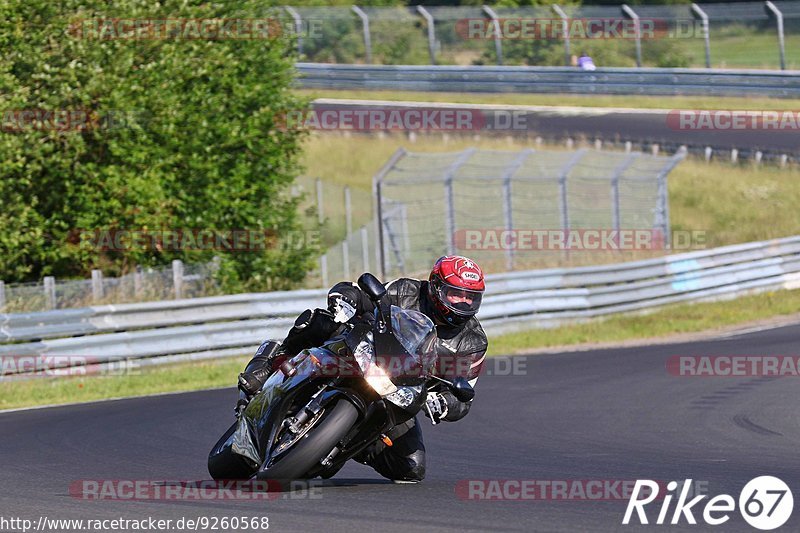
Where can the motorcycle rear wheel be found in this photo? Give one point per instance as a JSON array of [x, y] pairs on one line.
[[304, 455]]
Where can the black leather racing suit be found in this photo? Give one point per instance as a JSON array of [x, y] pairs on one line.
[[461, 350]]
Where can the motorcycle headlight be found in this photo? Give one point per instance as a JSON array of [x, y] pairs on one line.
[[379, 381], [403, 396]]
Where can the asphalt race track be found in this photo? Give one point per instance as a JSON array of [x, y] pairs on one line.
[[595, 415]]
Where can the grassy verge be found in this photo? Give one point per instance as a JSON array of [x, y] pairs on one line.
[[133, 382], [594, 100], [682, 318]]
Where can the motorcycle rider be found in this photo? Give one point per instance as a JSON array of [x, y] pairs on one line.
[[450, 297]]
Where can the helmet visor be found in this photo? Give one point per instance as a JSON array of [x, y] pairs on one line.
[[460, 301]]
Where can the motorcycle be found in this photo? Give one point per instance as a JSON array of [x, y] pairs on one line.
[[326, 405]]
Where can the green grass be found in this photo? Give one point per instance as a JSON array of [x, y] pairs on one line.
[[673, 319], [632, 101], [682, 318], [133, 382]]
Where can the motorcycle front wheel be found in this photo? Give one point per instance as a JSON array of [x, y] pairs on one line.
[[315, 445]]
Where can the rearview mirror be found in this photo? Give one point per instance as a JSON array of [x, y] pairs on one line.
[[371, 286], [462, 390]]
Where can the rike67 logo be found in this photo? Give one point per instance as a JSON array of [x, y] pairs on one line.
[[765, 503]]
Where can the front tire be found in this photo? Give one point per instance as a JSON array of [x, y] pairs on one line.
[[314, 446]]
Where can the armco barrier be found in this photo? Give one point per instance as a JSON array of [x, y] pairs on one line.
[[646, 81], [234, 325]]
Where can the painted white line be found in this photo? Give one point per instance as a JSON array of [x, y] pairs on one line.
[[102, 400]]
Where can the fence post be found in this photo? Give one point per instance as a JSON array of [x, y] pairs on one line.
[[365, 24], [348, 211], [323, 267], [365, 249], [345, 259], [2, 295], [562, 187], [779, 20], [97, 285], [177, 278], [298, 27], [431, 32], [50, 292], [450, 213], [507, 195], [565, 19], [498, 45], [617, 174], [320, 214], [380, 256], [638, 29], [138, 281], [704, 18]]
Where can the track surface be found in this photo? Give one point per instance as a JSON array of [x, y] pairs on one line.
[[619, 125], [605, 414]]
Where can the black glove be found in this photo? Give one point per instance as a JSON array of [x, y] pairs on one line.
[[342, 307]]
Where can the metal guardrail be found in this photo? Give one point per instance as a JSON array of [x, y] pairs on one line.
[[235, 325], [494, 79]]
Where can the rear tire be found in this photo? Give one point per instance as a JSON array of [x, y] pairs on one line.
[[298, 461]]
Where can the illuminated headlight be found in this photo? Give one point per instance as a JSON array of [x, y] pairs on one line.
[[402, 397], [379, 381]]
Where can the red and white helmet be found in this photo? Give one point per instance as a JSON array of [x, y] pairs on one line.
[[456, 288]]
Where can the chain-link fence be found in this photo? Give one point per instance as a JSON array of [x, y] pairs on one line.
[[144, 284], [719, 35], [503, 207]]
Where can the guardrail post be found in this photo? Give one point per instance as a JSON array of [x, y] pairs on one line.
[[708, 152], [2, 295], [734, 155], [367, 38], [177, 278], [50, 292], [323, 267], [97, 285], [498, 44], [298, 27], [565, 19], [784, 159], [638, 28], [431, 32], [704, 18], [320, 214], [365, 249], [348, 210], [779, 19]]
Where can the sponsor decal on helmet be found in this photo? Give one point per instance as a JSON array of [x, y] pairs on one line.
[[470, 276]]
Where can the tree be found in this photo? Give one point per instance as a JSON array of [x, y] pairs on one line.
[[178, 131]]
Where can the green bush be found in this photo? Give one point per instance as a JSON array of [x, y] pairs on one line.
[[193, 143]]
